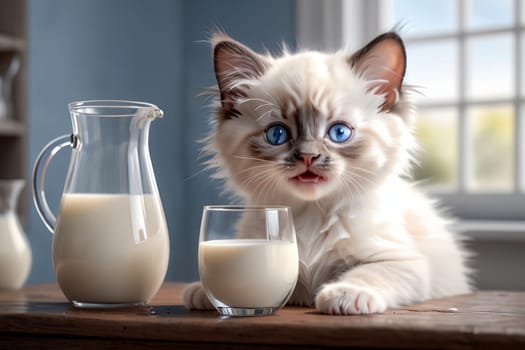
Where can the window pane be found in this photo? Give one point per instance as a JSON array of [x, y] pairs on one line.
[[490, 66], [432, 68], [522, 60], [425, 16], [492, 147], [489, 13], [522, 136], [437, 130], [522, 5]]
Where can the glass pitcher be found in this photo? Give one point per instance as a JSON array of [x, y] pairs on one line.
[[110, 242], [15, 252]]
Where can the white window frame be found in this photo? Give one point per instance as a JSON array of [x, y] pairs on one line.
[[327, 24]]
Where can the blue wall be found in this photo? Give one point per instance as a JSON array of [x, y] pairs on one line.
[[100, 49], [142, 50]]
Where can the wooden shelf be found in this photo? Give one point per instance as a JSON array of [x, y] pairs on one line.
[[10, 43], [13, 131], [11, 128]]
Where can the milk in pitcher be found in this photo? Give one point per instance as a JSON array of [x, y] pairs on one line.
[[110, 248]]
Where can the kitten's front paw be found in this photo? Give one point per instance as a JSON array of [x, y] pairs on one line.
[[195, 297], [347, 299]]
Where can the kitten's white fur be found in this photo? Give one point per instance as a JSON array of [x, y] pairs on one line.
[[368, 239]]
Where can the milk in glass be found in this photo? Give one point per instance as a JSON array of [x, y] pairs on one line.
[[249, 273]]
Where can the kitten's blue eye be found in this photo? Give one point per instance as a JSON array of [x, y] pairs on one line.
[[277, 135], [339, 133]]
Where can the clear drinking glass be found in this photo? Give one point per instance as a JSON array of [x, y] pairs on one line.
[[248, 258]]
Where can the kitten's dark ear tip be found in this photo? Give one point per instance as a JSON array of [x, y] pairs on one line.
[[383, 58], [385, 37], [217, 38], [233, 62], [392, 35]]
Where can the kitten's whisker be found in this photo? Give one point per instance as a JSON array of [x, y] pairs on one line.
[[361, 190], [258, 166], [255, 177], [253, 158], [347, 189], [267, 181], [359, 187], [262, 185], [255, 99], [254, 167], [264, 114], [355, 182], [357, 174], [196, 174], [360, 177], [271, 105], [266, 188], [274, 186], [365, 179], [353, 167]]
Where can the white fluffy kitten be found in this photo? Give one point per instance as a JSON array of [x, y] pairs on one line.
[[330, 136]]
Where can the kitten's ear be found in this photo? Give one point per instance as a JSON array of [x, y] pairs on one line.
[[234, 63], [383, 62]]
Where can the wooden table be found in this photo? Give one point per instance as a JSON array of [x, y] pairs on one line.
[[39, 317]]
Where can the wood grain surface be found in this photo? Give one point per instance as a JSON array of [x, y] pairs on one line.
[[40, 317]]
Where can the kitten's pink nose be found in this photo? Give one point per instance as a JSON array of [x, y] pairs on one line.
[[307, 158]]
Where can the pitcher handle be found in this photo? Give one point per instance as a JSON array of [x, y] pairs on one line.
[[39, 174]]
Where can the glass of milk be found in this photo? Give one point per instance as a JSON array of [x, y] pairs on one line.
[[248, 258]]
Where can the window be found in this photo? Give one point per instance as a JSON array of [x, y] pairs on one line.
[[467, 58]]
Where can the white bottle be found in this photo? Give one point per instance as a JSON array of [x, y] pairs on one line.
[[15, 252]]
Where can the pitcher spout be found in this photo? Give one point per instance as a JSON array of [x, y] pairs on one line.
[[156, 113]]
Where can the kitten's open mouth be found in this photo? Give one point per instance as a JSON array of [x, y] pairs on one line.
[[308, 177]]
